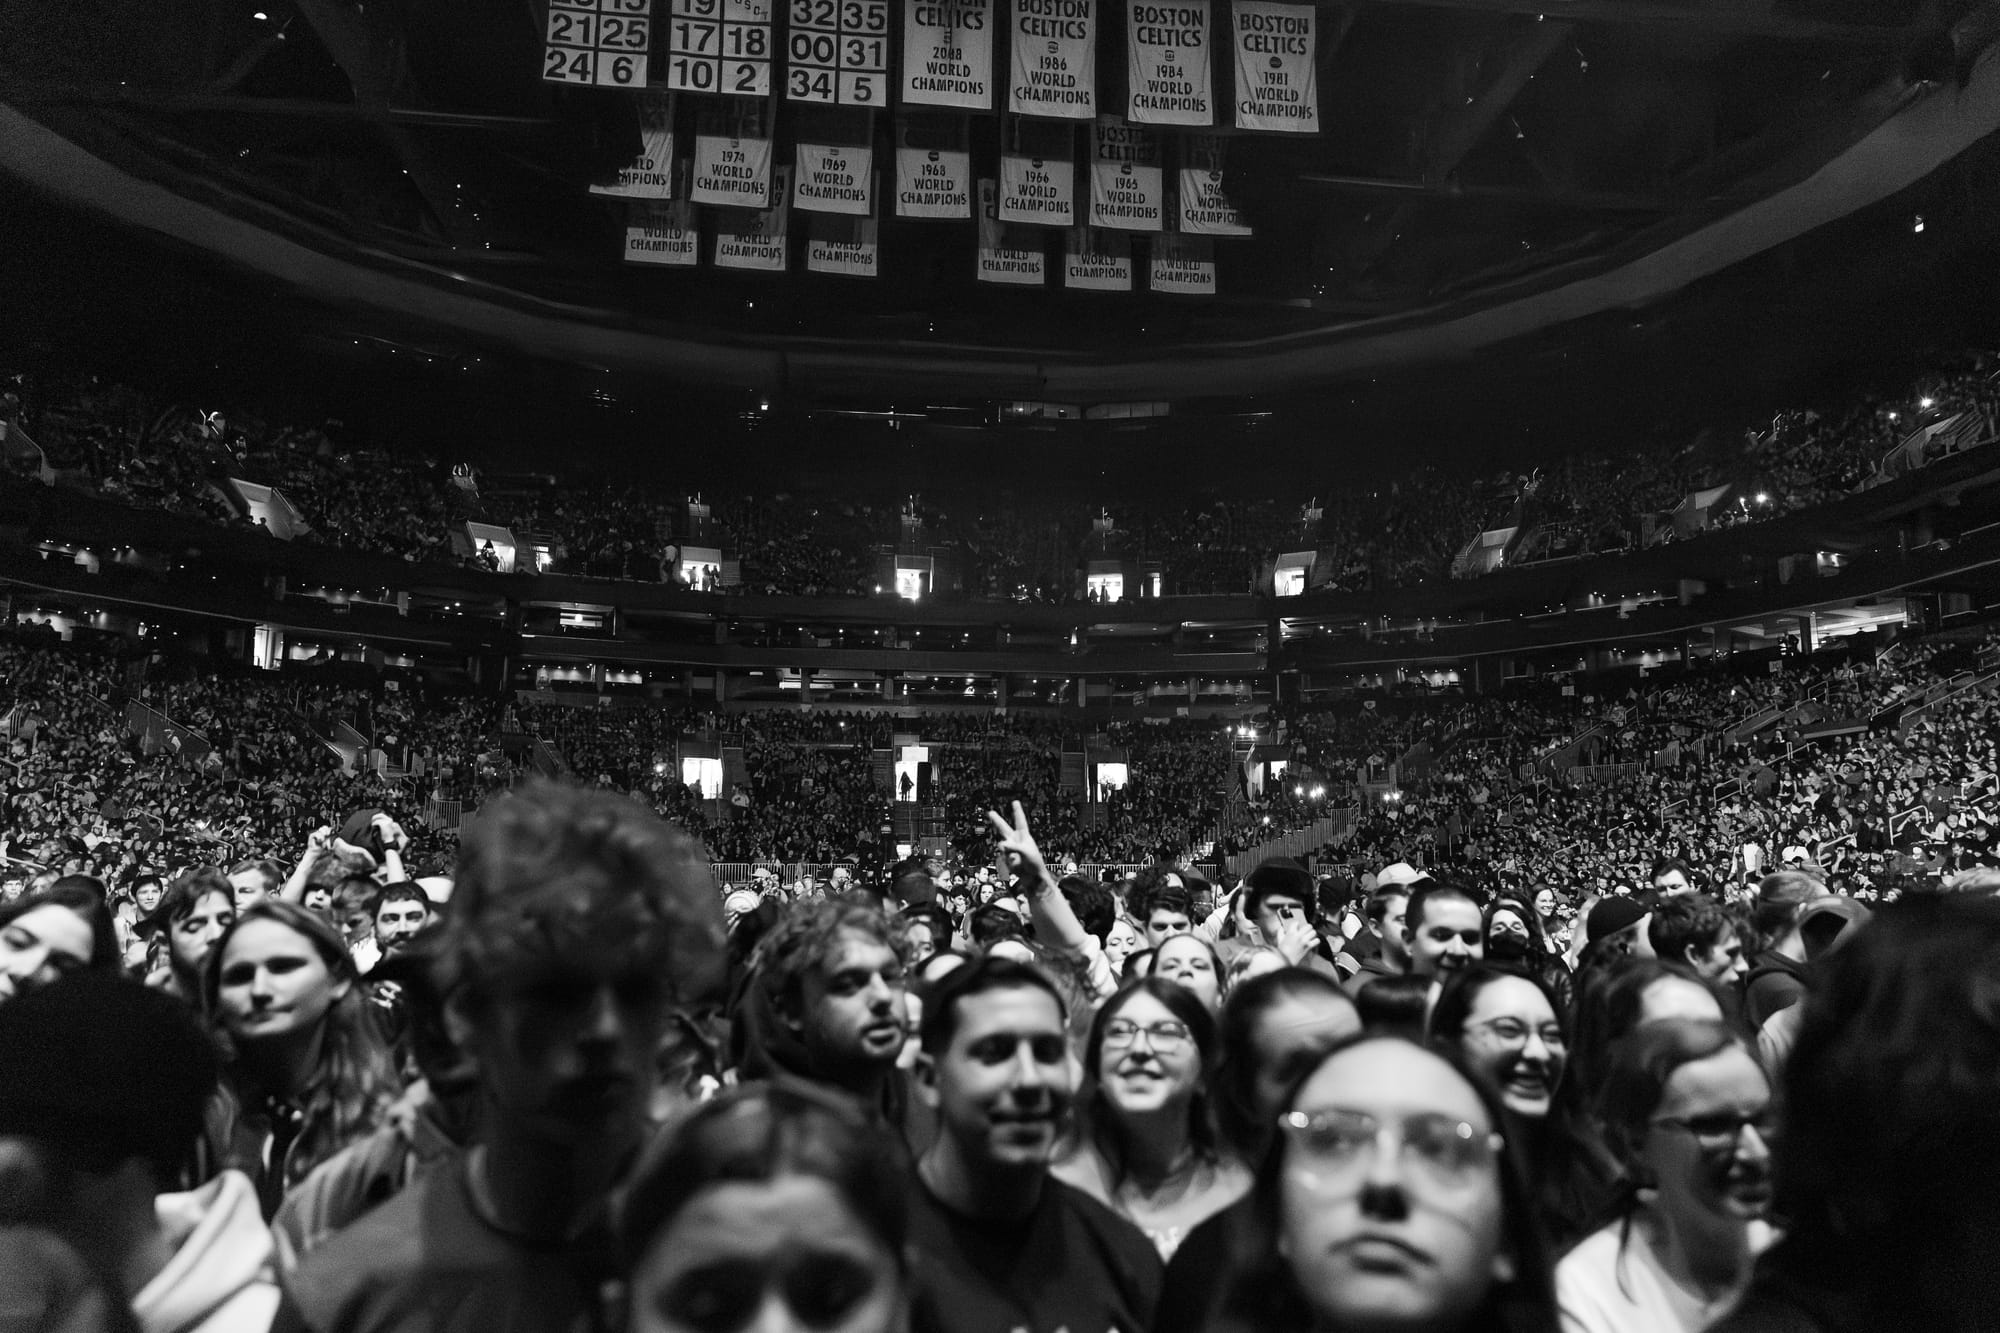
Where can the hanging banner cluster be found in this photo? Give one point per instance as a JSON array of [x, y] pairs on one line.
[[948, 53], [1054, 45], [1277, 84], [1167, 69]]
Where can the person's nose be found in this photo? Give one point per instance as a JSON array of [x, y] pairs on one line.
[[1752, 1146], [260, 987], [603, 1023], [880, 994], [1535, 1048], [773, 1315]]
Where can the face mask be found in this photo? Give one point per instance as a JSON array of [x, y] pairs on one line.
[[1506, 949]]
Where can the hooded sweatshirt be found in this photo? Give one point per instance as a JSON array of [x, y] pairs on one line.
[[222, 1277]]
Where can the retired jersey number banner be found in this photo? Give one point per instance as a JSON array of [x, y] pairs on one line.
[[1127, 186], [1040, 191], [720, 46], [1206, 210], [731, 173], [1054, 45], [948, 53], [651, 174], [1277, 82], [1167, 63], [756, 240], [1011, 255], [932, 182], [838, 52], [835, 179], [662, 234], [598, 42]]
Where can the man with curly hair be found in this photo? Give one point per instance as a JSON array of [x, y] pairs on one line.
[[580, 922], [829, 1003]]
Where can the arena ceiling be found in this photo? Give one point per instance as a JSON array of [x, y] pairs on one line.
[[1487, 170]]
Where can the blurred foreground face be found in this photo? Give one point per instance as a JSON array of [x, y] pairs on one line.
[[273, 983], [1390, 1209], [40, 945], [773, 1256], [1709, 1147]]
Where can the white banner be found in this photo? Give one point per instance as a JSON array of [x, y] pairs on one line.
[[1205, 209], [651, 174], [1040, 191], [838, 52], [756, 240], [1127, 187], [846, 247], [1097, 261], [719, 46], [948, 53], [1277, 79], [731, 173], [1054, 59], [1015, 258], [662, 234], [1167, 50], [933, 183], [1182, 266], [835, 179]]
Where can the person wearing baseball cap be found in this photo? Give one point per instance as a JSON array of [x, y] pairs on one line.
[[105, 1081]]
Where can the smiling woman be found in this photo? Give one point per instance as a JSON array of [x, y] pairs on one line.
[[1149, 1148], [308, 1073], [1688, 1112]]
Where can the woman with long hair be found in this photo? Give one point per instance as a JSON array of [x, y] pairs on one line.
[[1687, 1111], [66, 927], [770, 1193], [306, 1072], [1148, 1146], [1506, 1025], [1389, 1201]]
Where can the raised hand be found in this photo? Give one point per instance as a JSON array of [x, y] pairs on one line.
[[1017, 844]]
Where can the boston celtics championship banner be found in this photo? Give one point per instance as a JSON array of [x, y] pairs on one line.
[[933, 180], [845, 247], [1038, 191], [756, 240], [948, 53], [1097, 261], [1205, 209], [1182, 265], [834, 178], [1127, 186], [1054, 59], [731, 172], [665, 234], [1011, 255], [1167, 63], [651, 174], [1277, 84]]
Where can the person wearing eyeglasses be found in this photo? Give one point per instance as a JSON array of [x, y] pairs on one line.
[[1688, 1112], [1148, 1147], [1508, 1026], [1389, 1201]]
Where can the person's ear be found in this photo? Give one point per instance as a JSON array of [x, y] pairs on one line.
[[924, 1074]]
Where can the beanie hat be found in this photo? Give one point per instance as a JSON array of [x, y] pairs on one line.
[[1613, 915], [105, 1068], [1283, 876]]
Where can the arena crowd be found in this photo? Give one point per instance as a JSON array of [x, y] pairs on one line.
[[1404, 532]]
